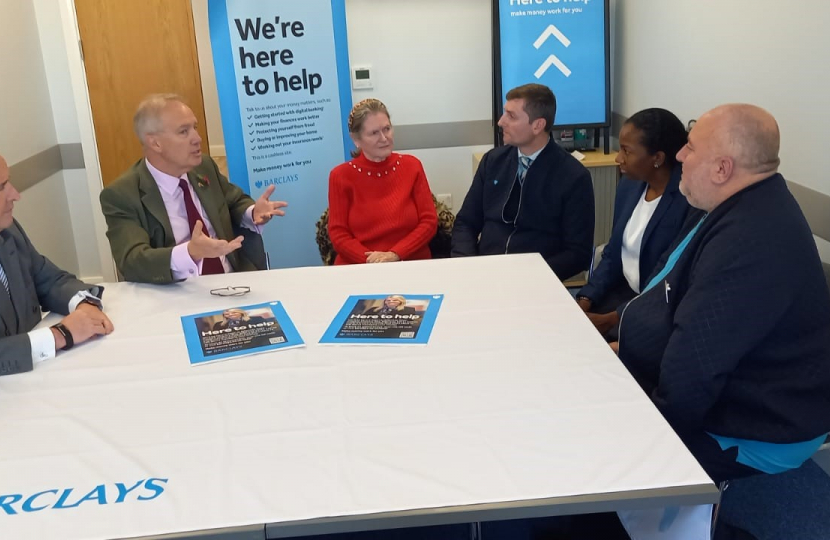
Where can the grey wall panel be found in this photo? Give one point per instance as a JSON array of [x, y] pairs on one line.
[[72, 156], [444, 135], [816, 208], [34, 169], [605, 190], [41, 166]]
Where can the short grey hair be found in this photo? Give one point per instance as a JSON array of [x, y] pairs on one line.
[[148, 115]]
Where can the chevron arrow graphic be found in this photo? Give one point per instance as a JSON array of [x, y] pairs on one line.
[[552, 61], [552, 30]]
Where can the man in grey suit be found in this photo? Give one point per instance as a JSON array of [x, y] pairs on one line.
[[29, 283]]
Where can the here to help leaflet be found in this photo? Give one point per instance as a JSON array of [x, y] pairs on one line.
[[239, 331], [384, 319]]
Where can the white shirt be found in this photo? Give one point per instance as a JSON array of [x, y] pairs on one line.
[[632, 239], [42, 340], [532, 156]]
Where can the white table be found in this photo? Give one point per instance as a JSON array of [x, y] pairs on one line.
[[516, 408]]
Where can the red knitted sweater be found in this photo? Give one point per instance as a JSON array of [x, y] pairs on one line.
[[385, 206]]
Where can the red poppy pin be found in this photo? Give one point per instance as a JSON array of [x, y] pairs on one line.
[[202, 180]]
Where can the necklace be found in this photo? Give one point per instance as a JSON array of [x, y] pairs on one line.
[[378, 173]]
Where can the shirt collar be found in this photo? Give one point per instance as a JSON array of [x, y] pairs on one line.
[[168, 184], [532, 156]]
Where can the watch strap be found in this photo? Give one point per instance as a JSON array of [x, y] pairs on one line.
[[67, 336], [92, 301]]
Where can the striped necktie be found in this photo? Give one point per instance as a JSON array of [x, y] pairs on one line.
[[524, 165], [5, 280]]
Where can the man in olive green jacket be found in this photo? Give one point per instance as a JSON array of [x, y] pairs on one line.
[[147, 209]]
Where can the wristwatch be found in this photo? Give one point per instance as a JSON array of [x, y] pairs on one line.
[[92, 301], [67, 336]]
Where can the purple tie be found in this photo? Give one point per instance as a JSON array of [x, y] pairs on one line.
[[212, 265]]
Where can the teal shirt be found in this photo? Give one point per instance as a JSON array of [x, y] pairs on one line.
[[771, 458]]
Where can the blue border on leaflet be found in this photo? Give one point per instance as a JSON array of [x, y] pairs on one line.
[[424, 330]]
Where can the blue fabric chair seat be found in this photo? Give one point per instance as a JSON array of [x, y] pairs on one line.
[[791, 505]]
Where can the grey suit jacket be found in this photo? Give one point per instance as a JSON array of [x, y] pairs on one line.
[[35, 284]]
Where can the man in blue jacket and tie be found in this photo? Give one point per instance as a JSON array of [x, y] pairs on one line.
[[529, 196]]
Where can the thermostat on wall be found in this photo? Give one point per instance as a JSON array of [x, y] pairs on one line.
[[362, 77]]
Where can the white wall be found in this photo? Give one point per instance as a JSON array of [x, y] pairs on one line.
[[55, 60], [44, 213], [431, 58], [449, 170], [691, 55], [79, 215], [82, 214], [26, 125], [28, 128], [432, 63], [210, 95]]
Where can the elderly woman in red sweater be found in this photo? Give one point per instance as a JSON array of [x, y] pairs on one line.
[[380, 204]]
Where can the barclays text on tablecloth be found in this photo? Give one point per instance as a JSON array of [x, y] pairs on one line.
[[63, 498]]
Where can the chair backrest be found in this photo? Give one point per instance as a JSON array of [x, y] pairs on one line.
[[816, 208], [439, 246], [327, 252], [595, 259], [441, 243], [253, 247]]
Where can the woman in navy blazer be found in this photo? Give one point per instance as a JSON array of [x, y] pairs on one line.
[[649, 142]]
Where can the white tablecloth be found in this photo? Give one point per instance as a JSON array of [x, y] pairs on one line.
[[516, 398]]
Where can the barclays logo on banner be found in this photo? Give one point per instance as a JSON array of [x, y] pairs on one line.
[[277, 181], [60, 499]]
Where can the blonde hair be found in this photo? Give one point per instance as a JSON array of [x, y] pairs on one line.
[[245, 316], [147, 119], [360, 112], [397, 297]]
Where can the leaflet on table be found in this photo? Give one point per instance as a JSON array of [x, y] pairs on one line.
[[384, 319], [233, 332]]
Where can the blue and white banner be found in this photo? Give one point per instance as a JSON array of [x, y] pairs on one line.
[[283, 78], [561, 44]]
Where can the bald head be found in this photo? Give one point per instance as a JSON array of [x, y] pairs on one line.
[[749, 135], [730, 148]]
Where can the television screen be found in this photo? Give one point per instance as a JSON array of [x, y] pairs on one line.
[[563, 44]]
